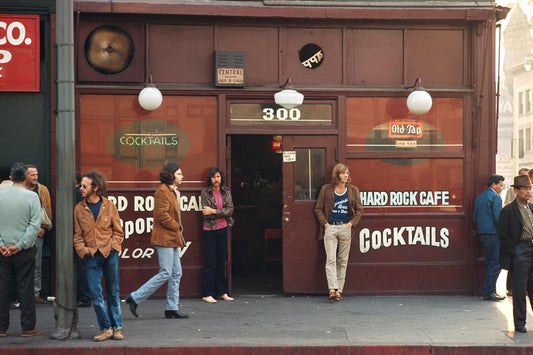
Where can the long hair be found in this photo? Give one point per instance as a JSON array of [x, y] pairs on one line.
[[99, 181], [166, 175], [337, 170], [212, 171]]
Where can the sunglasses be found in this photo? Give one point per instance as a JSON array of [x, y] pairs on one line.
[[84, 186]]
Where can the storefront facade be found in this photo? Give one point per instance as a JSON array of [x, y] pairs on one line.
[[418, 174]]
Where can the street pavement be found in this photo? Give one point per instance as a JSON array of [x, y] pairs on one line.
[[296, 321]]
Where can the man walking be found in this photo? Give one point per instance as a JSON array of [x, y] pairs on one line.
[[20, 220], [98, 238], [32, 184], [515, 229], [487, 209]]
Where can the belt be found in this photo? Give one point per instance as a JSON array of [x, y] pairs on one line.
[[337, 223]]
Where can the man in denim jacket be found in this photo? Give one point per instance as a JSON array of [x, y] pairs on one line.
[[487, 209]]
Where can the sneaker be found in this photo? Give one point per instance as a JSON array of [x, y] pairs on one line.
[[103, 335], [117, 334], [3, 333], [30, 333]]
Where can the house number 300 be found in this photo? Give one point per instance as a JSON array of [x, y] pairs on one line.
[[281, 114]]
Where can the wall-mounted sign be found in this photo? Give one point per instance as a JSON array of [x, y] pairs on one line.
[[229, 71], [289, 156], [275, 114], [311, 56], [19, 53], [148, 144], [405, 129]]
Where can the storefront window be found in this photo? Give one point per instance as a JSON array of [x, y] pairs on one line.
[[386, 125], [385, 187], [309, 172], [130, 145]]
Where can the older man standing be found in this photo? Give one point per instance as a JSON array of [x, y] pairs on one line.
[[515, 229], [32, 184], [20, 220]]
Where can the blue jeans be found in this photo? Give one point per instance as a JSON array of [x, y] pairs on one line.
[[491, 249], [216, 254], [169, 270], [110, 316]]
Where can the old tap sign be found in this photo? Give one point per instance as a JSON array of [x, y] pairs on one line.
[[19, 53]]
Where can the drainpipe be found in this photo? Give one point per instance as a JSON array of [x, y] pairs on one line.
[[66, 312]]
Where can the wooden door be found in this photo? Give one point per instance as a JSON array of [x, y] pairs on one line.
[[307, 165]]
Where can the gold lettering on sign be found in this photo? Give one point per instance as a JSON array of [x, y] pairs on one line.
[[316, 58], [230, 76]]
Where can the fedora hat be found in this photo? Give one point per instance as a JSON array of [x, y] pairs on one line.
[[521, 181]]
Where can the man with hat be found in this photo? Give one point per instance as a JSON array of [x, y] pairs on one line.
[[515, 229], [487, 209]]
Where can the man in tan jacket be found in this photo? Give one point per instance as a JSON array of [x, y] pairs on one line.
[[32, 184], [98, 238]]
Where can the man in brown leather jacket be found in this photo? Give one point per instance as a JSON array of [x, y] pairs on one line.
[[98, 238], [338, 210]]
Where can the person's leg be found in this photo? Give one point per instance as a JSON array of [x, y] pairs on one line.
[[221, 284], [345, 240], [7, 278], [165, 256], [521, 268], [208, 277], [38, 266], [491, 250], [173, 290], [82, 289], [330, 245], [112, 281], [94, 279], [24, 267]]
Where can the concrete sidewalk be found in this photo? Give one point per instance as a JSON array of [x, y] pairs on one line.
[[295, 322]]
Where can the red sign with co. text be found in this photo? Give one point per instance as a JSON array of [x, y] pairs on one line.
[[19, 52]]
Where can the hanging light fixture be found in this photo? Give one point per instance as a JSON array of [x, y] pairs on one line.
[[288, 97], [150, 98], [419, 100]]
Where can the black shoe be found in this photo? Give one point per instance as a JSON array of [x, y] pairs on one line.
[[493, 297], [83, 304], [175, 314], [520, 329], [133, 306]]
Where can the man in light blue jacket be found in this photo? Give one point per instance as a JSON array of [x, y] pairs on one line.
[[20, 221], [487, 209]]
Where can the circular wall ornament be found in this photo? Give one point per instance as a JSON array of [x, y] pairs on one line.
[[109, 49], [311, 56]]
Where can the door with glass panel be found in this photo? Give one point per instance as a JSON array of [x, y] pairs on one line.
[[307, 165]]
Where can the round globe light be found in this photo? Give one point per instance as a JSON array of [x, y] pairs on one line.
[[150, 98], [419, 101], [288, 98]]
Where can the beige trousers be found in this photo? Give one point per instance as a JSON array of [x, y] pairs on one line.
[[337, 240]]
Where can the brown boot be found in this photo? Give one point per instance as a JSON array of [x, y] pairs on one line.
[[104, 335], [117, 334]]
